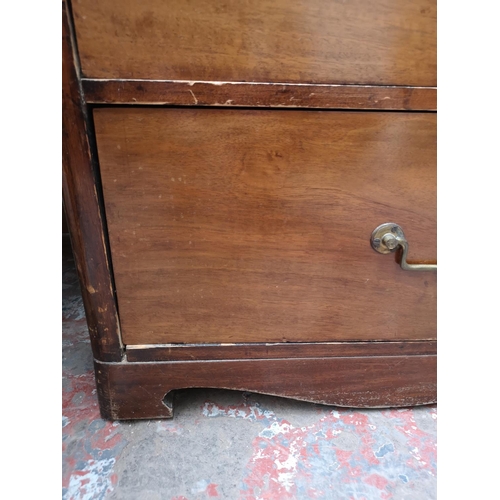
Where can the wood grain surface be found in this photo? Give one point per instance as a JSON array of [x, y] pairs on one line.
[[137, 390], [192, 352], [254, 226], [84, 215], [381, 42], [233, 94]]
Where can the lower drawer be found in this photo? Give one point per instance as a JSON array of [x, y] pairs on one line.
[[231, 226]]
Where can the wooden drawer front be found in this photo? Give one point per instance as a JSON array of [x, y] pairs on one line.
[[254, 225], [391, 42]]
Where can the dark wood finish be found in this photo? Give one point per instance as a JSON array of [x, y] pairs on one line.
[[193, 352], [84, 215], [254, 226], [259, 95], [244, 234], [136, 390], [65, 229], [380, 42]]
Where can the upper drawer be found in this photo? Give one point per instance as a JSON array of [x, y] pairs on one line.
[[389, 42]]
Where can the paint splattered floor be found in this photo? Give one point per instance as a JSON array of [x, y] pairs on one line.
[[232, 445]]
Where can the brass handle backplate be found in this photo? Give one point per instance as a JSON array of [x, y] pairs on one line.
[[388, 237]]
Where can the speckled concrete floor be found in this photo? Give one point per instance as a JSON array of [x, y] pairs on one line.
[[232, 445]]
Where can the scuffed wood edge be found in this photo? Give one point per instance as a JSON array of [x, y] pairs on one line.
[[191, 352], [101, 374], [84, 215], [138, 390], [259, 94]]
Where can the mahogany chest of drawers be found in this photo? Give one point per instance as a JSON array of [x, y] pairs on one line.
[[242, 182]]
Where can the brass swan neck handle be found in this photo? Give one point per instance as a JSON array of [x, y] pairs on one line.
[[388, 237]]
